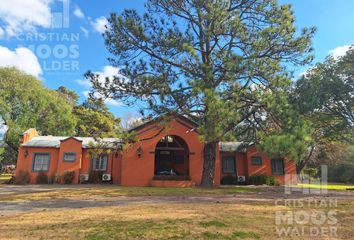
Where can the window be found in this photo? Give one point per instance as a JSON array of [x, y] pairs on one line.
[[100, 163], [69, 157], [278, 166], [256, 161], [41, 162], [179, 159], [228, 165]]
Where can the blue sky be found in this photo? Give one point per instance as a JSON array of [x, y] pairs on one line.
[[73, 43]]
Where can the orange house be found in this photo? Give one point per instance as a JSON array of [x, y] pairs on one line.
[[164, 155]]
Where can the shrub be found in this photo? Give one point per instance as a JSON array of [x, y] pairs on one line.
[[259, 179], [95, 177], [42, 178], [311, 172], [272, 181], [23, 178], [342, 173], [228, 180], [68, 177]]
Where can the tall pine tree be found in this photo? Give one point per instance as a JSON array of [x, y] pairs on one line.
[[211, 60]]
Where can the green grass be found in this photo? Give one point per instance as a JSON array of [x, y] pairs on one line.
[[328, 186], [213, 223], [243, 220], [75, 192], [242, 235], [5, 177]]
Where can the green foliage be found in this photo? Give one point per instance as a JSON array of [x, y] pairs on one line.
[[325, 96], [245, 235], [68, 177], [203, 59], [70, 96], [23, 177], [94, 119], [95, 177], [311, 172], [228, 180], [42, 178], [342, 173], [2, 150], [25, 103], [259, 179]]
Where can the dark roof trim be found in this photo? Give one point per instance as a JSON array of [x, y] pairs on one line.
[[63, 140], [183, 118]]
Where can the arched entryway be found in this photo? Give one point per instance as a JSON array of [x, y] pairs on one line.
[[171, 159]]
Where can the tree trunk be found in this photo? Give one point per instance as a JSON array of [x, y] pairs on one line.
[[209, 164], [299, 166]]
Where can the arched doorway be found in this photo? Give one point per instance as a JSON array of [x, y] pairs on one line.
[[171, 159]]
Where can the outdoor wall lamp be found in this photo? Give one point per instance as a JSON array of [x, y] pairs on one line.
[[26, 153], [139, 152]]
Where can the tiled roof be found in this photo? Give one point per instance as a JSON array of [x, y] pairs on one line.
[[54, 141]]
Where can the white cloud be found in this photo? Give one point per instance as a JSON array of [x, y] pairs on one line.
[[84, 82], [108, 101], [1, 32], [22, 58], [78, 13], [339, 51], [85, 31], [107, 72], [99, 24], [20, 16]]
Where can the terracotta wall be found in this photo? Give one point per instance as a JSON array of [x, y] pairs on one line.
[[131, 170], [70, 145], [266, 167], [113, 165], [139, 171], [240, 163], [26, 158]]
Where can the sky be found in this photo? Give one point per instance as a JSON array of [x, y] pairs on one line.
[[59, 40]]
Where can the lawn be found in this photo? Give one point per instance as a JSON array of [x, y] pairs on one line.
[[83, 192], [329, 186], [5, 177], [57, 218], [158, 221]]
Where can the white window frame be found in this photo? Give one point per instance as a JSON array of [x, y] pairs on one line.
[[70, 154], [102, 161], [41, 162]]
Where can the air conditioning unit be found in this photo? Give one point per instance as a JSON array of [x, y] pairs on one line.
[[241, 179], [84, 178], [106, 177]]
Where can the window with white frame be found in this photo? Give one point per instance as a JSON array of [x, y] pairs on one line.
[[69, 157], [41, 162], [100, 163]]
